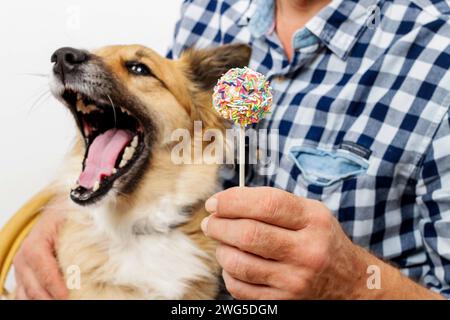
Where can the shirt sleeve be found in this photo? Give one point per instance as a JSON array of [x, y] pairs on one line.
[[196, 27], [433, 200]]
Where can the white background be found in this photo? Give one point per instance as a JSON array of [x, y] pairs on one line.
[[35, 135]]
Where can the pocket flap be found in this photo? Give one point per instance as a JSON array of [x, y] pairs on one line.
[[323, 168]]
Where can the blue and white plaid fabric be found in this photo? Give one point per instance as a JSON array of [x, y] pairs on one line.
[[369, 81]]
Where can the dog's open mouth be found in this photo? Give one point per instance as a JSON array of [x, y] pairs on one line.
[[114, 140]]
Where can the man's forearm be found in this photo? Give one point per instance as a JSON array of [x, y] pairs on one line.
[[394, 284]]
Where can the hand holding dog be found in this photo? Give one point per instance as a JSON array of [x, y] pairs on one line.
[[36, 269], [275, 245]]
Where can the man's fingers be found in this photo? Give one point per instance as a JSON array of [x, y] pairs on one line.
[[47, 273], [247, 291], [265, 204], [250, 268], [31, 289], [256, 237], [20, 293], [35, 262]]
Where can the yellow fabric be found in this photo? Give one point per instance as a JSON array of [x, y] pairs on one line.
[[16, 229]]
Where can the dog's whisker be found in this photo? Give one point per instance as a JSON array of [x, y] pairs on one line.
[[39, 75], [126, 197], [39, 90], [114, 110], [121, 193], [168, 148], [40, 99]]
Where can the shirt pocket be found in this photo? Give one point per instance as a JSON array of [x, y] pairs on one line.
[[325, 168]]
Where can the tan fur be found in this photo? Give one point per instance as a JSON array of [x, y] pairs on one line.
[[74, 246], [174, 100]]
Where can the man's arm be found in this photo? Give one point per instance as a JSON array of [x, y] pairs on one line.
[[394, 284], [35, 267], [275, 245]]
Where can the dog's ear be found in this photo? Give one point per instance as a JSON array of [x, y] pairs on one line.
[[206, 66], [203, 68]]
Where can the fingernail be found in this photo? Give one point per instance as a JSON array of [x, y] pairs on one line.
[[204, 225], [211, 204]]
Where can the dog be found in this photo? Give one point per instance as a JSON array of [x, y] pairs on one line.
[[132, 228]]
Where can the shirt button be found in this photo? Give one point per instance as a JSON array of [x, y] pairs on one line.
[[259, 154], [279, 78]]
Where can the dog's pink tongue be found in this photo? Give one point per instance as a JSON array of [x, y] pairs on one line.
[[102, 156]]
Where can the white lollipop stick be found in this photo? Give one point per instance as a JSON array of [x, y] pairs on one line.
[[242, 156]]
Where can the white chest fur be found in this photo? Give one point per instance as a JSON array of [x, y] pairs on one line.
[[160, 262], [161, 265]]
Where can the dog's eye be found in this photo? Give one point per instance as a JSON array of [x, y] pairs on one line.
[[138, 68]]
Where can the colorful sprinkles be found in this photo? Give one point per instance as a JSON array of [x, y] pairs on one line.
[[243, 96]]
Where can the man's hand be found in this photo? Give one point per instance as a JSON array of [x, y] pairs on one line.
[[274, 245], [36, 269]]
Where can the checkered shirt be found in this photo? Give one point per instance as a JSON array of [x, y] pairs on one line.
[[369, 78]]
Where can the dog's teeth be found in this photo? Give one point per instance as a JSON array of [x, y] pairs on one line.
[[128, 153], [135, 142], [125, 111], [125, 155], [114, 171], [90, 108], [131, 151], [122, 163], [96, 186], [80, 106], [85, 109]]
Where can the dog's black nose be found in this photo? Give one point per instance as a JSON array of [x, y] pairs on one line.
[[66, 59]]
